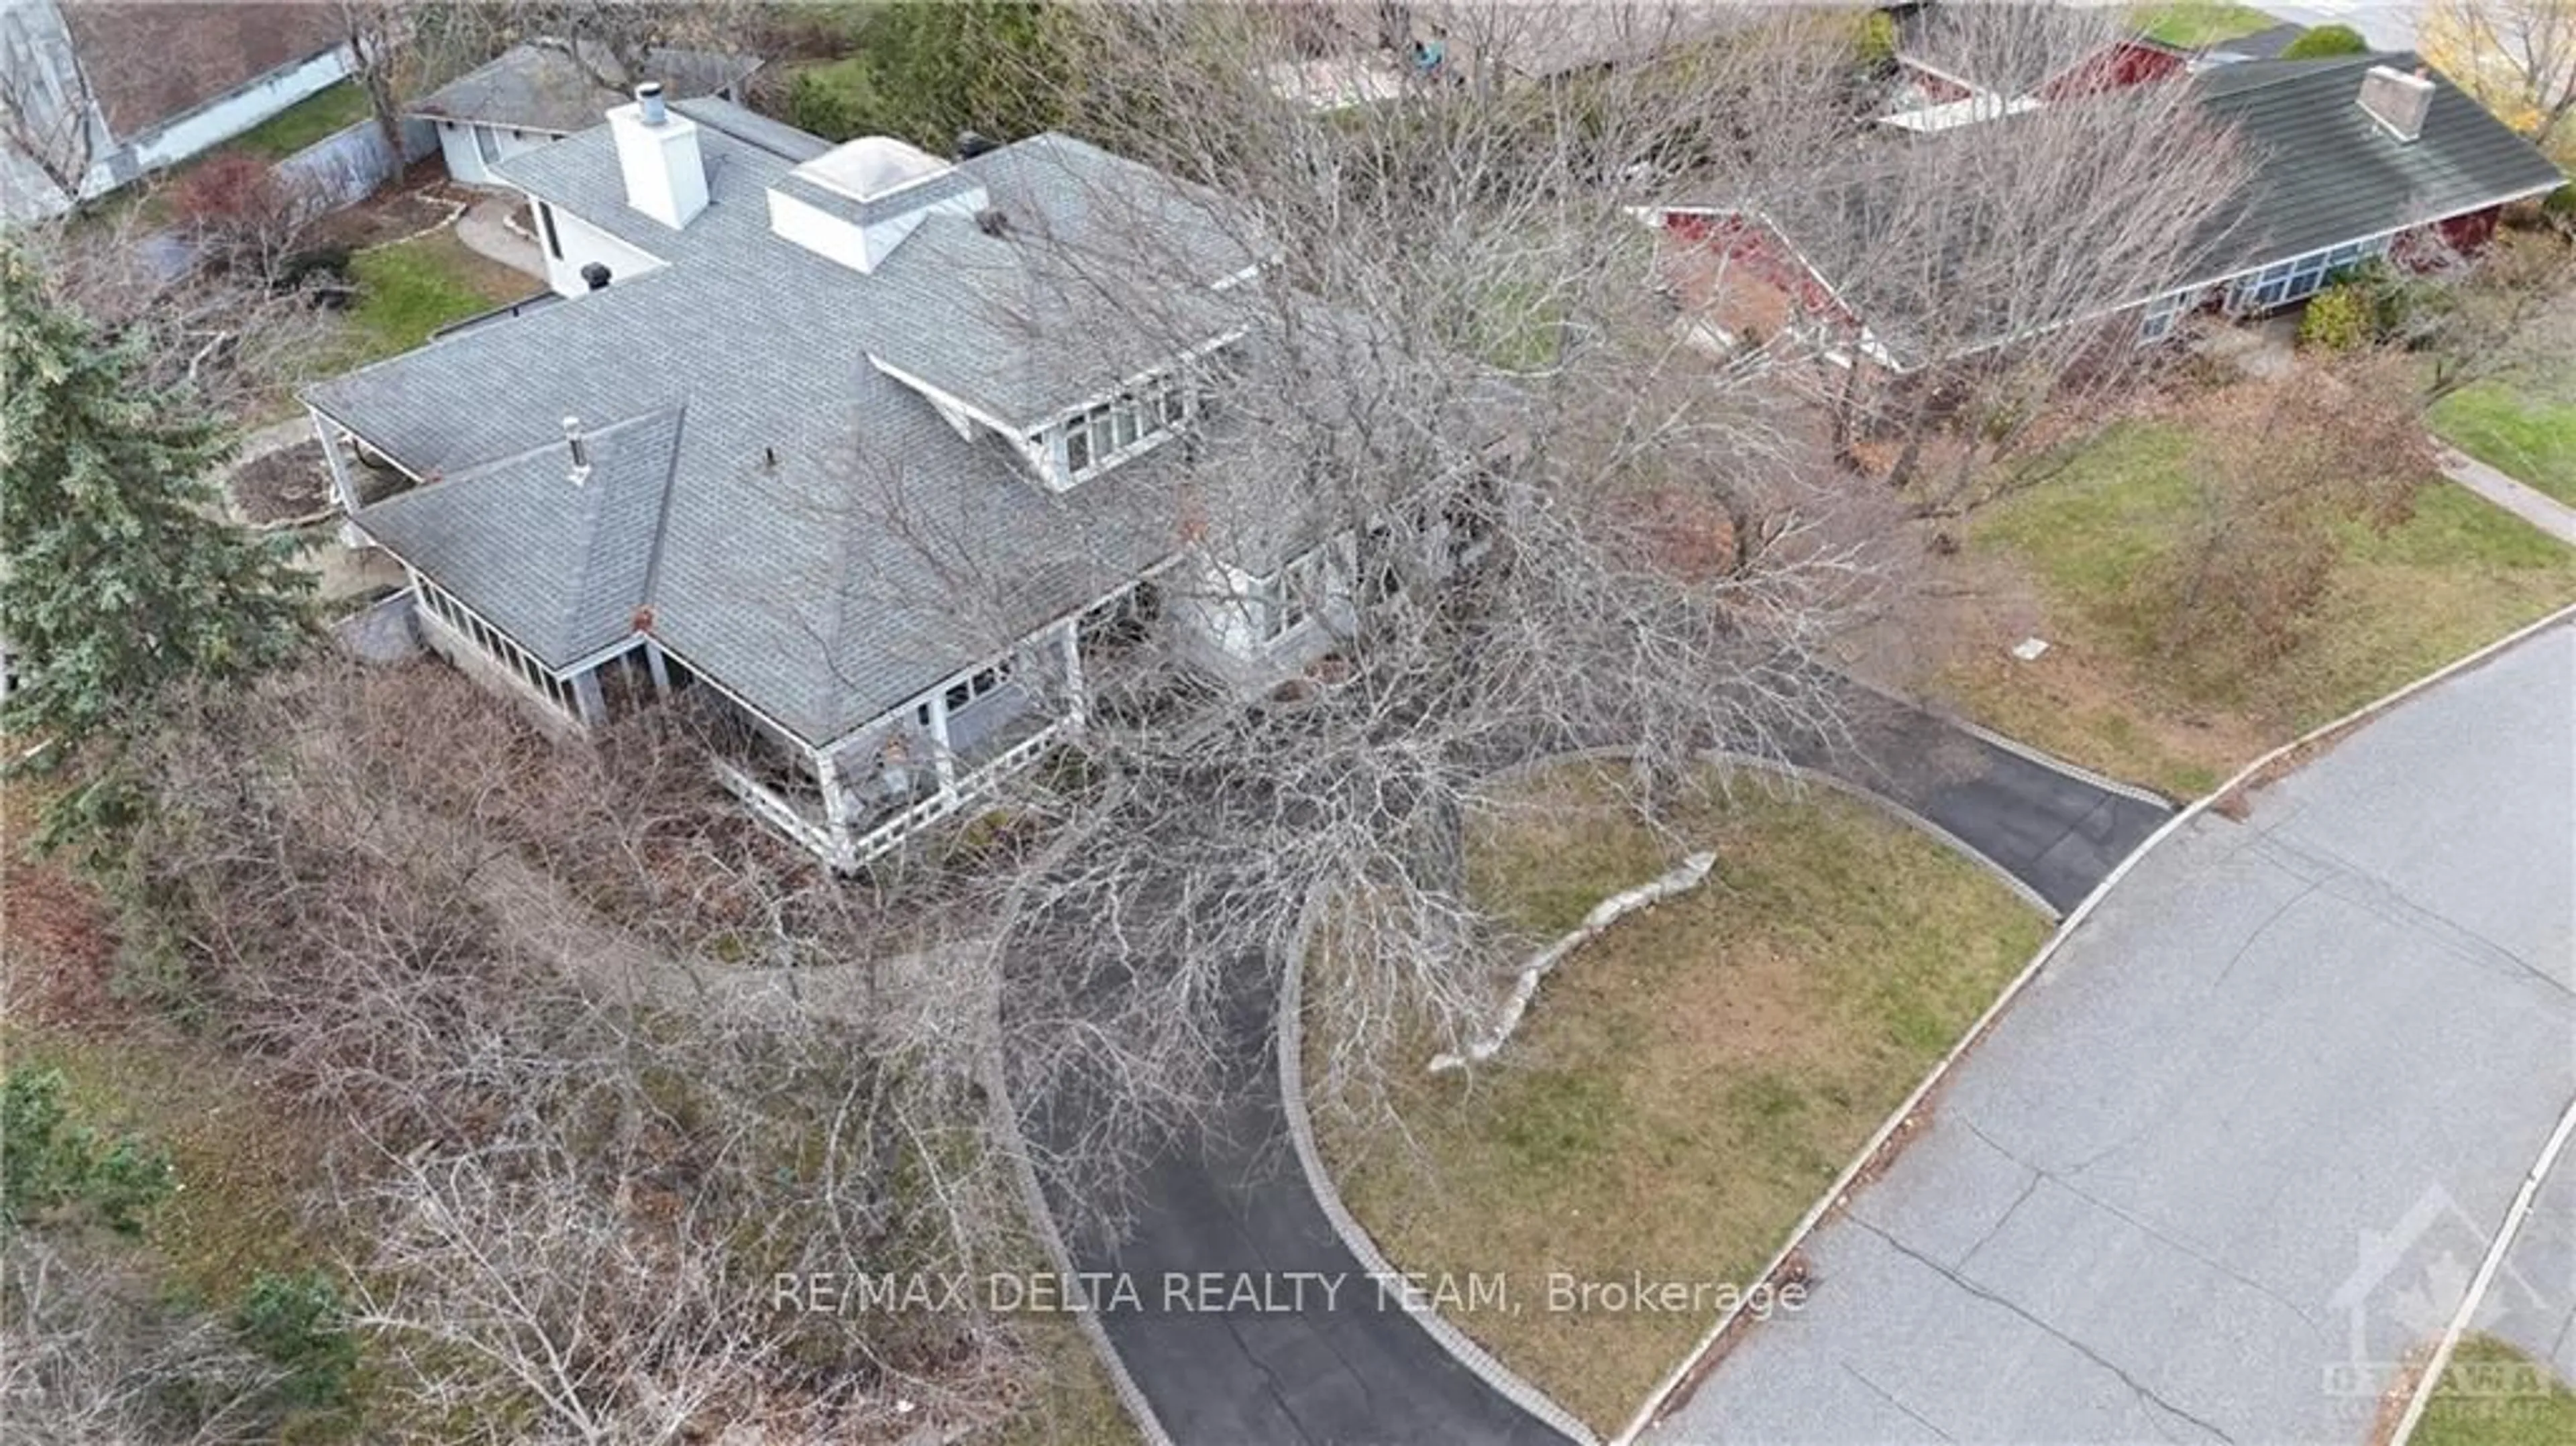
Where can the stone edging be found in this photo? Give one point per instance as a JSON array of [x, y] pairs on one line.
[[1693, 1366], [1042, 1221], [1289, 1041], [1319, 1181]]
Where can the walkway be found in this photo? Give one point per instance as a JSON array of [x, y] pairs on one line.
[[2241, 1145], [1361, 1370], [485, 229], [2519, 498]]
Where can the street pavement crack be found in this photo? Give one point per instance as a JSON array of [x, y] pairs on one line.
[[2143, 1391], [1889, 1397]]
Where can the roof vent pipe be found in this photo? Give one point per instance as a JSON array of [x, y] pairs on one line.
[[971, 144], [595, 275], [580, 447], [648, 103]]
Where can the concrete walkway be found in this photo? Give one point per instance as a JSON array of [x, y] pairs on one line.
[[1359, 1368], [485, 230], [2519, 498], [2240, 1147]]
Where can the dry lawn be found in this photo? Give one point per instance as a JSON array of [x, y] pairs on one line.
[[2061, 561], [1686, 1087]]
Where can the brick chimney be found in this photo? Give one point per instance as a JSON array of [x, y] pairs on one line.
[[2397, 100]]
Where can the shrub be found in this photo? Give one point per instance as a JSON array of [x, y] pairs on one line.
[[826, 102], [1875, 43], [2340, 318], [52, 1164], [2325, 42], [297, 1321], [242, 213]]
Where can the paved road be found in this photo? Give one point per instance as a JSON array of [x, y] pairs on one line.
[[1362, 1371], [2245, 1140]]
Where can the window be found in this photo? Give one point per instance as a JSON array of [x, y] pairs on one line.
[[546, 222], [966, 692], [2164, 313], [1156, 408], [1291, 597]]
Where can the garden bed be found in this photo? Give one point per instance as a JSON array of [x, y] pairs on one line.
[[288, 485]]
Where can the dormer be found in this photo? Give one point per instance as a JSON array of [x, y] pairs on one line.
[[855, 203]]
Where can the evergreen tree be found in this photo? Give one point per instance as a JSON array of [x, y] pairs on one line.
[[118, 574]]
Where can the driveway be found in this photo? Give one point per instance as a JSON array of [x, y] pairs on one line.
[[2246, 1139], [1352, 1367]]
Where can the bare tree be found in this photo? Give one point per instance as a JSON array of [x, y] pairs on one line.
[[241, 335], [2518, 57], [1453, 442], [1990, 269], [2280, 471]]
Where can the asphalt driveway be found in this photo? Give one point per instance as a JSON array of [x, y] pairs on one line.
[[2245, 1141]]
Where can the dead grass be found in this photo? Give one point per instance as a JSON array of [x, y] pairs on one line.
[[242, 1154], [2061, 562], [1685, 1087]]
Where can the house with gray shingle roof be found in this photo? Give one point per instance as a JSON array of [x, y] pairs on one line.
[[886, 459], [539, 91]]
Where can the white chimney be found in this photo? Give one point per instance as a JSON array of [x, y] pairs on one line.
[[666, 179], [2397, 100]]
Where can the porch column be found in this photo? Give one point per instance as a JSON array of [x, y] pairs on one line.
[[836, 803], [1075, 691], [940, 758], [586, 700], [327, 432], [661, 674]]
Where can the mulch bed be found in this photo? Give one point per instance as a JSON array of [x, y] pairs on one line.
[[289, 483], [420, 200]]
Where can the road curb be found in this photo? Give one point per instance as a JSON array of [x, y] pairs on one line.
[[1660, 1404]]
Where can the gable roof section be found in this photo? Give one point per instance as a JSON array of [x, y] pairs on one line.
[[560, 566], [148, 64], [539, 85], [2325, 172]]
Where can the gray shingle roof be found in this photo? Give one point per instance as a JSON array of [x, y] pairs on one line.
[[540, 86], [776, 137], [2326, 173], [828, 544], [560, 566]]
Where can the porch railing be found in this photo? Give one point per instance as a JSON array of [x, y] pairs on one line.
[[894, 829]]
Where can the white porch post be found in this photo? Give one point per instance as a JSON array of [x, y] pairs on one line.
[[327, 432], [653, 663], [1075, 690], [586, 700], [941, 759], [836, 804]]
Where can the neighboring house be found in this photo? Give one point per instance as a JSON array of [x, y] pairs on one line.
[[113, 91], [1946, 78], [2349, 155], [539, 92], [845, 442]]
